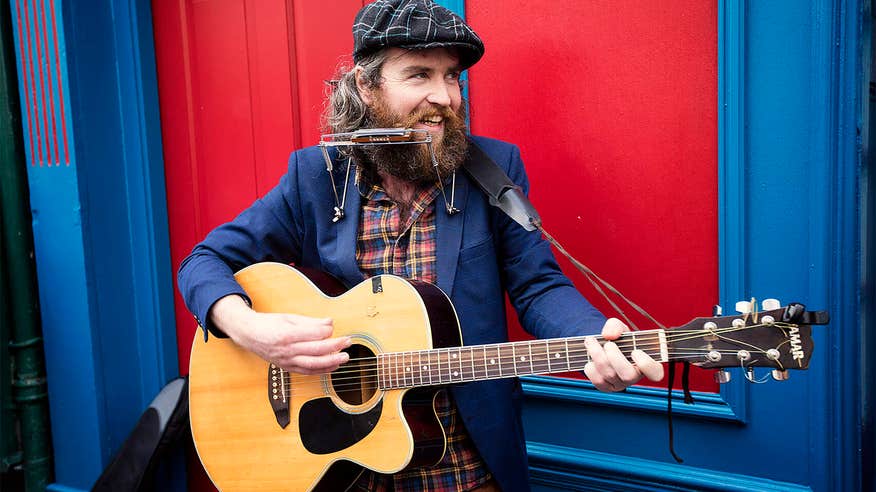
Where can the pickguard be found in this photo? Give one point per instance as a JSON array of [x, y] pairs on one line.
[[324, 428]]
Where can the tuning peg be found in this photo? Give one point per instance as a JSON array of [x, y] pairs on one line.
[[717, 310], [770, 304], [722, 376], [780, 375], [743, 307]]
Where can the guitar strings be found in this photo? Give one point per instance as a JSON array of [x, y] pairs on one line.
[[499, 348], [367, 367], [372, 377]]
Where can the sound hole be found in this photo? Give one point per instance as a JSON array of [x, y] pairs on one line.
[[356, 381]]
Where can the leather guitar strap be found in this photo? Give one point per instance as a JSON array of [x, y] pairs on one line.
[[501, 191]]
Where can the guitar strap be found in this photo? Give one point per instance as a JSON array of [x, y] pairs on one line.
[[501, 191]]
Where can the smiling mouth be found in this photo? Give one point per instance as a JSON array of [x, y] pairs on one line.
[[432, 121]]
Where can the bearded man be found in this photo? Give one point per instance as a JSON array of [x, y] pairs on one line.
[[408, 56]]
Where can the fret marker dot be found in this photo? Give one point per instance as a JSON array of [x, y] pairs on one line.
[[455, 373], [454, 356], [557, 355], [523, 358], [408, 369], [492, 361], [425, 368]]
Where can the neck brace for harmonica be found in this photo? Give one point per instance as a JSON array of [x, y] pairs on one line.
[[380, 136]]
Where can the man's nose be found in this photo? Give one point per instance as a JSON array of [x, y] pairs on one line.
[[439, 93]]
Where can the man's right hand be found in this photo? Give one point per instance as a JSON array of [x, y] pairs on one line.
[[296, 343]]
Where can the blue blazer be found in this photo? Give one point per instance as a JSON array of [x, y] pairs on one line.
[[481, 255]]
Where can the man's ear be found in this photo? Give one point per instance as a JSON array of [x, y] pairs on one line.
[[363, 86]]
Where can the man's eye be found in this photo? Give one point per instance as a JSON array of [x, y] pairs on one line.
[[453, 76], [421, 75]]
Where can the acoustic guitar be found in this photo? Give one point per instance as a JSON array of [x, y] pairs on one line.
[[259, 427]]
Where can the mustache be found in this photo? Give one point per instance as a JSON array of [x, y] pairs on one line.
[[451, 118]]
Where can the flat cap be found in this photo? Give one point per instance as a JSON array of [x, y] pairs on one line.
[[413, 24]]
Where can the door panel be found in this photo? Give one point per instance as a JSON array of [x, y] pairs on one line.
[[614, 107]]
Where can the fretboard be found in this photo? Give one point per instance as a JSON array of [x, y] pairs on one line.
[[432, 367]]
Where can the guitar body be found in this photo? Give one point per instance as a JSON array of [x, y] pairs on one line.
[[258, 428]]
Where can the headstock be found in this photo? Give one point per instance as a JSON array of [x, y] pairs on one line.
[[777, 337]]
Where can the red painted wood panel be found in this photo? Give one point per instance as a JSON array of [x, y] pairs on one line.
[[614, 107], [232, 109], [231, 105]]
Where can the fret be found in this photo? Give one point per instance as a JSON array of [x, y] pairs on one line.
[[482, 361], [406, 369], [493, 362], [426, 367], [395, 374], [506, 359], [441, 373], [531, 367], [433, 375], [629, 355], [466, 369], [568, 363], [456, 372], [555, 353], [578, 356], [474, 375], [403, 373], [481, 367], [541, 361], [514, 357], [387, 370], [420, 366], [381, 377]]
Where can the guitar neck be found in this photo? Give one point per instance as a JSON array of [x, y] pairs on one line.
[[398, 370]]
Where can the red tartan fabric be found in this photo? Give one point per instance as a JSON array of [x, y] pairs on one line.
[[408, 250]]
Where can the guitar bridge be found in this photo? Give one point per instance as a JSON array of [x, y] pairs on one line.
[[278, 394]]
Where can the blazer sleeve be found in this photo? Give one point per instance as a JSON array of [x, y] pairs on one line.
[[547, 303], [268, 230]]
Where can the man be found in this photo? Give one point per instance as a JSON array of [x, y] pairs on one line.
[[408, 55]]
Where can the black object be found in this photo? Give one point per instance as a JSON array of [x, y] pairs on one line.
[[502, 192], [413, 24], [156, 434]]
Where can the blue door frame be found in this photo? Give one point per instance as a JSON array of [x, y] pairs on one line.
[[789, 172]]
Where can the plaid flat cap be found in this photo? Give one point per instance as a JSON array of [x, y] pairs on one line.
[[413, 24]]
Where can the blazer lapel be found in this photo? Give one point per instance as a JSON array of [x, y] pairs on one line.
[[449, 228], [343, 257]]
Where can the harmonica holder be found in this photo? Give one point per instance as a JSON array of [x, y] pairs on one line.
[[379, 136]]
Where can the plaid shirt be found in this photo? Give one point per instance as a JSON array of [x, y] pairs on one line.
[[384, 245]]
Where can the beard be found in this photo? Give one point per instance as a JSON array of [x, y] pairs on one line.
[[413, 162]]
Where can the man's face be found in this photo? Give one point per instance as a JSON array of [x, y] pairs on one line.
[[421, 84], [419, 89]]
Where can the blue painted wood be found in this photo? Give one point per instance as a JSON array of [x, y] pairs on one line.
[[731, 174], [75, 397], [639, 398], [101, 237], [789, 229], [562, 468], [458, 7]]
